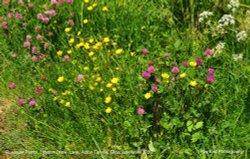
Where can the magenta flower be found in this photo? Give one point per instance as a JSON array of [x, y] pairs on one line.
[[150, 69], [175, 70], [12, 85], [21, 101], [32, 103], [19, 16], [42, 56], [37, 28], [199, 61], [61, 1], [26, 44], [53, 2], [39, 37], [28, 37], [140, 111], [45, 20], [185, 63], [145, 51], [210, 71], [157, 80], [20, 2], [39, 16], [34, 49], [69, 1], [154, 88], [50, 12], [10, 15], [146, 75], [210, 79], [4, 25], [13, 56], [34, 58], [208, 51], [167, 54], [71, 22]]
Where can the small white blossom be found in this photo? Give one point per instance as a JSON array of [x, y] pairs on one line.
[[225, 21], [233, 4], [204, 15], [218, 48], [241, 36], [237, 57]]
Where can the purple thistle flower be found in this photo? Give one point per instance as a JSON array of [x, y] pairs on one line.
[[21, 101], [208, 51], [199, 61], [210, 79]]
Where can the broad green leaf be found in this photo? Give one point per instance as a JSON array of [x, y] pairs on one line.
[[199, 125], [151, 147], [196, 136]]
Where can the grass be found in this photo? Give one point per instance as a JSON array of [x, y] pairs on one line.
[[180, 121]]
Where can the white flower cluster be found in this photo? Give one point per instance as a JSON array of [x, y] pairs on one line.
[[233, 4], [237, 57], [241, 36], [204, 15], [219, 48], [225, 21]]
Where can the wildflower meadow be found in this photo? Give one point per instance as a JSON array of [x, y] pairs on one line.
[[146, 79]]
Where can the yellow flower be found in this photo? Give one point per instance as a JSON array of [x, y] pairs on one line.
[[91, 87], [91, 40], [108, 100], [72, 40], [91, 53], [78, 33], [85, 21], [193, 83], [94, 58], [74, 62], [86, 46], [119, 51], [90, 8], [59, 53], [206, 86], [193, 64], [86, 1], [96, 68], [183, 75], [114, 89], [105, 9], [60, 79], [62, 101], [109, 85], [108, 110], [67, 30], [55, 98], [67, 104], [94, 5], [147, 95], [117, 68], [132, 53], [69, 52], [165, 75], [101, 90], [85, 68], [98, 79], [106, 40], [115, 80], [114, 43]]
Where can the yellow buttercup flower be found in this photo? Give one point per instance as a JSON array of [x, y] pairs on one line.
[[74, 62], [193, 64], [72, 40], [67, 104], [165, 75], [69, 52], [108, 110], [115, 80], [183, 75], [86, 1], [119, 51], [91, 53], [62, 101], [91, 87], [91, 40], [59, 53], [108, 100], [85, 68], [60, 79], [67, 30], [90, 8], [147, 95], [106, 40], [94, 5], [105, 9], [114, 43], [85, 21], [109, 85], [193, 83]]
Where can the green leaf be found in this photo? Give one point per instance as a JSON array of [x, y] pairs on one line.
[[189, 123], [199, 125], [190, 128], [151, 147], [196, 136]]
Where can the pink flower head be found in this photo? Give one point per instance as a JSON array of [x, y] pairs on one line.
[[140, 111], [45, 19], [39, 16], [185, 63], [79, 78], [19, 16], [66, 58], [53, 2], [10, 15], [39, 90], [50, 12], [71, 22], [69, 1], [28, 37], [210, 79], [46, 45], [150, 69], [30, 5], [208, 51], [34, 49], [34, 58], [61, 1], [42, 56], [210, 71], [154, 88], [37, 28], [199, 61], [146, 75], [4, 25], [21, 101], [167, 54], [32, 103], [20, 2], [145, 51], [174, 79], [39, 37], [26, 44], [12, 85], [175, 70], [157, 80], [13, 56]]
